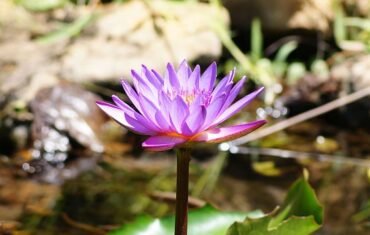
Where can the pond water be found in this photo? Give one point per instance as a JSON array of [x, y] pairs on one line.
[[124, 181]]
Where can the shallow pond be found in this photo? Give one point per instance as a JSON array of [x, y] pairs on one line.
[[127, 182]]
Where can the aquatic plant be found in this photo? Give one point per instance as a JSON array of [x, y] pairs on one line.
[[179, 108]]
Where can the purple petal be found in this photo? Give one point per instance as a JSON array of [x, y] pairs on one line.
[[196, 104], [213, 110], [131, 94], [193, 81], [122, 105], [237, 106], [132, 113], [183, 73], [185, 130], [153, 79], [149, 110], [179, 111], [217, 135], [162, 143], [143, 87], [158, 76], [165, 104], [171, 82], [196, 119], [224, 85], [163, 122], [125, 119], [233, 94], [207, 81]]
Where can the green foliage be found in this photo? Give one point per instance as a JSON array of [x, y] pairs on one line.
[[203, 221], [293, 226], [360, 30], [320, 68], [351, 33], [67, 31], [300, 214], [256, 40], [300, 201], [285, 50], [262, 70], [280, 64], [339, 27], [41, 5], [363, 215], [295, 71]]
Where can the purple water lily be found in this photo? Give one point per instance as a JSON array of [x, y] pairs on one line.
[[182, 106]]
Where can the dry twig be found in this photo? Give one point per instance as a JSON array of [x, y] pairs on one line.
[[171, 197], [342, 101], [85, 227]]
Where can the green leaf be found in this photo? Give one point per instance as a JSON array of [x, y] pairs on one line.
[[320, 68], [256, 40], [292, 226], [67, 31], [202, 221], [340, 31], [363, 214], [285, 50], [300, 201], [296, 71], [301, 214], [41, 5]]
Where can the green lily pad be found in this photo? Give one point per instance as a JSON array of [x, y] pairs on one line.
[[292, 226], [202, 221], [301, 214]]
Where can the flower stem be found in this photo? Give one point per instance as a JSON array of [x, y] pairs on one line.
[[182, 190]]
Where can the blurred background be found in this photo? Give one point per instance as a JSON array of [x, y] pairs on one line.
[[65, 168]]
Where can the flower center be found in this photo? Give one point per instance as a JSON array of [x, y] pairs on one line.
[[190, 95], [189, 98]]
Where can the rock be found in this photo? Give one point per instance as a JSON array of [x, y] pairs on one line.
[[358, 7], [353, 72], [123, 37], [350, 75], [27, 67], [151, 33], [282, 15], [64, 133], [14, 21], [63, 112]]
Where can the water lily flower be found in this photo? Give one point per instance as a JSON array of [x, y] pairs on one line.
[[181, 107]]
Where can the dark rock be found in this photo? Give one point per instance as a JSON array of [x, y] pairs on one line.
[[66, 123], [284, 15], [348, 76], [63, 112]]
